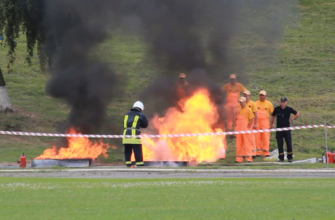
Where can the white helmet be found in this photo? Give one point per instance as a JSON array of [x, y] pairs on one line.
[[139, 105]]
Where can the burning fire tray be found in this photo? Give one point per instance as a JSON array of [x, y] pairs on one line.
[[63, 163], [165, 163]]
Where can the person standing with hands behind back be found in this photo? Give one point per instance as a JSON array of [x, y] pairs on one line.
[[264, 110], [283, 113]]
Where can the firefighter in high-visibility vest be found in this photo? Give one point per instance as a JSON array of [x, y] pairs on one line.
[[243, 121], [264, 109], [253, 107], [232, 90], [133, 121]]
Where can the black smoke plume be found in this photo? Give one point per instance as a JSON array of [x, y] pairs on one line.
[[208, 40], [189, 36], [75, 30], [198, 37]]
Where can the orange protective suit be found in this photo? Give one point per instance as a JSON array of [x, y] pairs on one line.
[[181, 93], [233, 93], [181, 90], [243, 141], [263, 139], [253, 107]]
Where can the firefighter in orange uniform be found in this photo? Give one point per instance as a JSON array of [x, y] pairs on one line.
[[243, 121], [181, 90], [253, 107], [181, 86], [232, 90], [265, 108]]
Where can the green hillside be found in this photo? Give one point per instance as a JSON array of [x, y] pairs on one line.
[[302, 71]]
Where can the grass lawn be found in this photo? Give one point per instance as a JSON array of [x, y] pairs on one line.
[[239, 198], [302, 70]]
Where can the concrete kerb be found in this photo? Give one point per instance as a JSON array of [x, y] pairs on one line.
[[174, 170]]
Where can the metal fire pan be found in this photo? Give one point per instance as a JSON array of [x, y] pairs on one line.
[[165, 163], [62, 163]]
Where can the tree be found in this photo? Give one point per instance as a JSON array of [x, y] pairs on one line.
[[5, 104], [21, 17]]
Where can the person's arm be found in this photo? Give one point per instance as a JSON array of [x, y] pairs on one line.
[[271, 109], [145, 122], [295, 116], [272, 121], [234, 117], [255, 120], [273, 115], [250, 123], [254, 109], [251, 117], [224, 88], [242, 88]]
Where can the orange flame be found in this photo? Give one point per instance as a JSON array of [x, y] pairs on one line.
[[77, 148], [198, 115]]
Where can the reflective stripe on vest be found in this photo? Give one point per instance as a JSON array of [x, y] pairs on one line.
[[125, 121], [135, 121], [132, 140]]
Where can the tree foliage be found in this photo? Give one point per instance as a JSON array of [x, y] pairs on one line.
[[23, 17]]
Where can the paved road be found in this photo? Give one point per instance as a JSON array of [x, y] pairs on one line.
[[123, 173]]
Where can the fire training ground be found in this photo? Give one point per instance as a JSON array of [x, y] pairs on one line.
[[133, 121]]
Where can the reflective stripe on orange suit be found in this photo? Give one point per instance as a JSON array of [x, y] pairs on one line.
[[233, 94], [253, 107], [243, 141], [263, 139]]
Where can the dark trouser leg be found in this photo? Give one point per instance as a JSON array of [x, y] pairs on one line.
[[280, 143], [138, 154], [288, 141], [128, 150]]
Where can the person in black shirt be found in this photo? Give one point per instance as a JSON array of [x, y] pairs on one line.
[[283, 113]]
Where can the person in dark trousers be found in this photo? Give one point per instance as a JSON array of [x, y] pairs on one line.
[[133, 121], [283, 113]]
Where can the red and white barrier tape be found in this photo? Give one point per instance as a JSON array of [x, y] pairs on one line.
[[18, 133]]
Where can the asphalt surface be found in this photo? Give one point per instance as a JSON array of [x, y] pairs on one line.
[[152, 173]]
